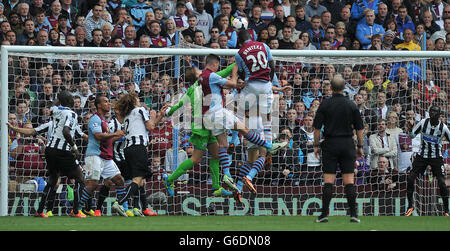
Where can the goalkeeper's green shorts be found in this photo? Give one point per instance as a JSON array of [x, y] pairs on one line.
[[201, 142]]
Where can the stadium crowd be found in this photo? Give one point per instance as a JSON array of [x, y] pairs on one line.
[[387, 94]]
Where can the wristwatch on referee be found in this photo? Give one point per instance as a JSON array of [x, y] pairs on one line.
[[360, 146]]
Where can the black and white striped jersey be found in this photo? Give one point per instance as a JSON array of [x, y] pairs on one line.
[[48, 128], [62, 117], [431, 137], [134, 124], [119, 145], [45, 128]]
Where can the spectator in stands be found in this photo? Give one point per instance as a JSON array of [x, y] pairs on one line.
[[383, 14], [11, 37], [55, 11], [365, 31], [94, 22], [442, 32], [382, 144], [145, 28], [188, 33], [97, 38], [279, 19], [80, 35], [314, 8], [316, 32], [312, 164], [330, 35], [367, 114], [285, 164], [437, 7], [408, 43], [71, 40], [255, 22], [204, 19], [360, 6], [382, 178], [267, 12], [302, 23], [54, 37], [179, 17], [285, 42], [69, 10], [130, 40], [84, 91], [157, 40], [404, 21], [392, 125], [380, 108], [36, 5], [15, 22], [28, 32], [43, 38], [429, 24], [114, 83], [306, 38]]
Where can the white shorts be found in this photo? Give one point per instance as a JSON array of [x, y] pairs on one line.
[[219, 121], [254, 95], [97, 167]]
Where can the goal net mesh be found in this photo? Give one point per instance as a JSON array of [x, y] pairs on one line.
[[403, 88]]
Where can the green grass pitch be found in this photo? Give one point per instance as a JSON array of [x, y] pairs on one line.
[[224, 223]]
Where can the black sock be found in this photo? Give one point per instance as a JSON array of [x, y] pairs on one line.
[[103, 194], [51, 200], [327, 194], [130, 191], [142, 198], [444, 193], [350, 193], [45, 194], [410, 190]]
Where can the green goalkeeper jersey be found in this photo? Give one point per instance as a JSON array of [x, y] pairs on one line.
[[195, 95]]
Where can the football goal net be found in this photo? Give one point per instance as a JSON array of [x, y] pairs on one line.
[[394, 86]]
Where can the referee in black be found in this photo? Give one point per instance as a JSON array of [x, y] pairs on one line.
[[339, 117]]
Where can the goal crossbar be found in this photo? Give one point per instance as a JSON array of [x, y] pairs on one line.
[[6, 51]]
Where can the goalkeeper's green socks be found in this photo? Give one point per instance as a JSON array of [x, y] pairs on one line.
[[181, 169], [214, 168]]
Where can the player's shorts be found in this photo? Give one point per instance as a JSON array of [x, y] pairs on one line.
[[201, 142], [219, 121], [124, 170], [256, 125], [97, 168], [136, 157], [420, 164], [60, 162], [256, 97], [338, 152]]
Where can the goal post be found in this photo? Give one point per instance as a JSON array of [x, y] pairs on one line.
[[285, 59]]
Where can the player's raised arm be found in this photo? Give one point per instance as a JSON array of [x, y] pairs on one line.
[[24, 131]]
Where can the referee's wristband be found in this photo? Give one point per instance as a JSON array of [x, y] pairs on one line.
[[316, 145], [360, 146]]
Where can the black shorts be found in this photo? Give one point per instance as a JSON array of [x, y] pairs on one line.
[[420, 164], [124, 170], [136, 158], [60, 162], [338, 153]]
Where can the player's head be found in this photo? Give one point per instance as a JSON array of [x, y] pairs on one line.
[[243, 36], [191, 74], [337, 83], [434, 112], [102, 103], [65, 98], [212, 61], [127, 103]]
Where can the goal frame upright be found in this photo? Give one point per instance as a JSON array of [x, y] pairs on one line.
[[6, 50]]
